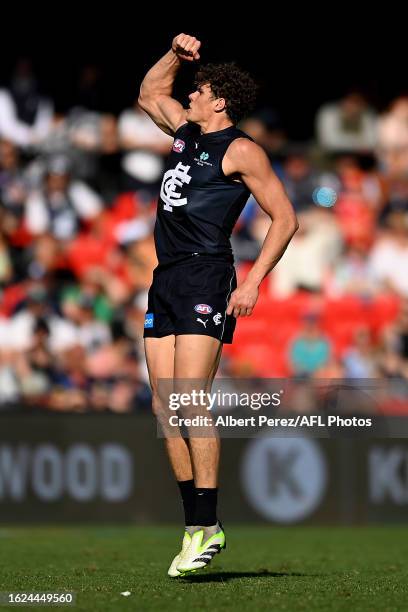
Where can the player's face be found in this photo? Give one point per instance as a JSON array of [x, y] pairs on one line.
[[201, 105]]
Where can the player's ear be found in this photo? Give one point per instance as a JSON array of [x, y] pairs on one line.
[[220, 105]]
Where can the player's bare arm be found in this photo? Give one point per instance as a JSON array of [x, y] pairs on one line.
[[248, 160], [156, 89]]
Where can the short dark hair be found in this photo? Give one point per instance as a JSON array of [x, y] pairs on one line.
[[229, 81]]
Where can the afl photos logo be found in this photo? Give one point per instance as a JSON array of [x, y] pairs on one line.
[[173, 180]]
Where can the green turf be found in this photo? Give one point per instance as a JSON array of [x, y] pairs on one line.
[[264, 568]]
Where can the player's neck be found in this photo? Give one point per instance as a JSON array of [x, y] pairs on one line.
[[214, 125]]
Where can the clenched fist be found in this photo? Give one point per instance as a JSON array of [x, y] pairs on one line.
[[243, 300], [186, 47]]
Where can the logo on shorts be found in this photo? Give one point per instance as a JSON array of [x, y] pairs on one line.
[[204, 156], [149, 320], [179, 145], [217, 318], [203, 322], [203, 308]]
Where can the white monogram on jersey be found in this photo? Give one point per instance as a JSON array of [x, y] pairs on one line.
[[173, 179]]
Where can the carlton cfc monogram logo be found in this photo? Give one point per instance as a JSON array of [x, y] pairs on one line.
[[172, 180]]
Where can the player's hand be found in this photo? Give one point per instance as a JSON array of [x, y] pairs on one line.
[[186, 47], [243, 300]]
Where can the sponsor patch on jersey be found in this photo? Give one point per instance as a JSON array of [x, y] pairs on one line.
[[149, 320], [203, 308], [179, 145]]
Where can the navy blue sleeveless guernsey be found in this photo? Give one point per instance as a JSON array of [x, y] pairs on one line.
[[198, 205]]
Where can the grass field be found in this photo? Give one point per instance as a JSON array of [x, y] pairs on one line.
[[264, 568]]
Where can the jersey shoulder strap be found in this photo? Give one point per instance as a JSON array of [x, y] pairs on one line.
[[185, 130], [240, 134], [237, 133]]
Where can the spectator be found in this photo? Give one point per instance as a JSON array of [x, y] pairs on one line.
[[13, 190], [310, 256], [90, 332], [88, 94], [266, 128], [38, 307], [301, 179], [346, 125], [25, 115], [34, 367], [137, 131], [13, 194], [394, 356], [351, 274], [359, 202], [61, 204], [388, 261], [146, 145], [310, 350], [392, 139], [360, 359], [108, 177], [6, 265]]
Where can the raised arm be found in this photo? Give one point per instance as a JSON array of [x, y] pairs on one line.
[[250, 162], [157, 86]]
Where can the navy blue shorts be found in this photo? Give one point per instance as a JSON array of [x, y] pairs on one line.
[[191, 297]]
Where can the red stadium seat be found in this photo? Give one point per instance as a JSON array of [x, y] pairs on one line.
[[262, 341]]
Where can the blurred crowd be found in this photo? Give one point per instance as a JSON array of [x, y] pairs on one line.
[[78, 199]]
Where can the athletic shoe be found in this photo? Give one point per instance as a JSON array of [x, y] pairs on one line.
[[173, 571], [206, 542]]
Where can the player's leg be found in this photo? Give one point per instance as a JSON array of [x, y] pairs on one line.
[[196, 363], [160, 363], [200, 294]]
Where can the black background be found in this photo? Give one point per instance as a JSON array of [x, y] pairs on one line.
[[300, 60]]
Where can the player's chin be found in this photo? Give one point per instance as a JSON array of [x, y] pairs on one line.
[[189, 115]]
